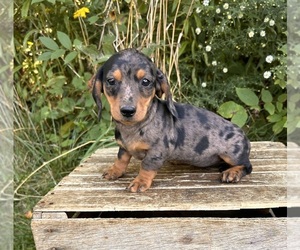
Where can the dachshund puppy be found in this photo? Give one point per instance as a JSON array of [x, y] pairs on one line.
[[155, 131]]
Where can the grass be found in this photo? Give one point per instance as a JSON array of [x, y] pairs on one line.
[[39, 166]]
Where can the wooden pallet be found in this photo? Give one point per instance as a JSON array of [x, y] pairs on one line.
[[186, 208]]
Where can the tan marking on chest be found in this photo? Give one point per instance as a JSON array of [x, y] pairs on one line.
[[138, 146]]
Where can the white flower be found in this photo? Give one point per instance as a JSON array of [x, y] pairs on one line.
[[218, 10], [229, 16], [269, 59], [272, 22], [240, 15], [242, 7], [198, 10], [208, 48], [266, 19], [226, 6], [198, 31], [214, 63], [225, 70], [204, 84], [267, 74], [262, 33], [251, 33], [206, 2]]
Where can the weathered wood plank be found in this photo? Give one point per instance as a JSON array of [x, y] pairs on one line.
[[210, 198], [175, 180], [161, 233]]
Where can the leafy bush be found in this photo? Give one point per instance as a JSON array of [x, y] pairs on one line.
[[236, 52]]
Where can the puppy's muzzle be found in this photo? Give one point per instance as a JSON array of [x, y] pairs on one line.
[[128, 111]]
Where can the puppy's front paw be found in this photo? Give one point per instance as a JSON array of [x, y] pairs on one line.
[[139, 185], [142, 182], [233, 174], [113, 173]]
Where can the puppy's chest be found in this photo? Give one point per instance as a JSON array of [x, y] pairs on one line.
[[135, 142]]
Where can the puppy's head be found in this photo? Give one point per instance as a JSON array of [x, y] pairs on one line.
[[130, 80]]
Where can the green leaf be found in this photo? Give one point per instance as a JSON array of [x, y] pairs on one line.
[[78, 83], [56, 80], [54, 138], [228, 109], [274, 118], [270, 108], [266, 96], [25, 8], [240, 118], [67, 143], [281, 83], [186, 26], [58, 53], [70, 57], [182, 47], [67, 105], [282, 98], [236, 112], [65, 129], [45, 56], [77, 42], [279, 106], [247, 96], [64, 39], [279, 126], [93, 19], [49, 43], [283, 48]]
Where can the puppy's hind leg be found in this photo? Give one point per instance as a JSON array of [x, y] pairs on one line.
[[237, 169]]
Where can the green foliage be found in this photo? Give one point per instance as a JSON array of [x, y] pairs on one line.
[[235, 52], [235, 112], [274, 110]]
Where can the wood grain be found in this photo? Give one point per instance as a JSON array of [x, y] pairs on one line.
[[161, 233]]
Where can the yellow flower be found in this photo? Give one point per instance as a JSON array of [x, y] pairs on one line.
[[81, 12]]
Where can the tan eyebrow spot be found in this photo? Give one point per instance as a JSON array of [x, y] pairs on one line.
[[117, 74], [140, 73]]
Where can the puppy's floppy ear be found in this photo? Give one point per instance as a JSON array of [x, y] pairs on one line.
[[97, 89], [163, 86]]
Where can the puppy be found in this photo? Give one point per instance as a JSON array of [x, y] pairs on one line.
[[155, 131]]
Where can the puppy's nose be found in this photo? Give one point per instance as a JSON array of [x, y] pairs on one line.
[[128, 111]]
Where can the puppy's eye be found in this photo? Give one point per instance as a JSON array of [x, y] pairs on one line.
[[111, 81], [146, 82]]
